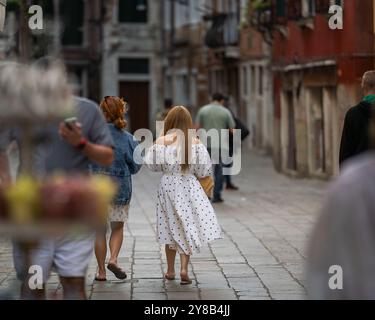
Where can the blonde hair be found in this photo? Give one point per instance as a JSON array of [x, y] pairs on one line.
[[114, 110], [180, 118]]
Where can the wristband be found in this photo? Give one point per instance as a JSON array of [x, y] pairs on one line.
[[82, 144]]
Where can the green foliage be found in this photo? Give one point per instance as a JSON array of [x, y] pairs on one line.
[[260, 4], [13, 5]]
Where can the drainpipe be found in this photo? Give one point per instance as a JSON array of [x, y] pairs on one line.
[[24, 37], [190, 58], [57, 28], [171, 45]]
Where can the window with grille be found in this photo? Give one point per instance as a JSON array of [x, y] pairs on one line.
[[134, 66], [132, 11], [72, 18]]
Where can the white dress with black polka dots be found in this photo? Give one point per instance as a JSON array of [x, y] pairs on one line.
[[186, 220]]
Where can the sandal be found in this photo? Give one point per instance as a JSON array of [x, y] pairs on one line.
[[170, 278], [185, 281], [100, 279], [117, 271]]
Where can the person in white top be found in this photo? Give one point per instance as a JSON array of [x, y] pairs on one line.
[[186, 220]]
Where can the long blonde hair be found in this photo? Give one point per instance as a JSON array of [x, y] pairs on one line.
[[180, 118]]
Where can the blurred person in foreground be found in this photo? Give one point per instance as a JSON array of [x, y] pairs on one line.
[[244, 133], [123, 167], [342, 246], [7, 135], [70, 149], [5, 138], [215, 116], [355, 135]]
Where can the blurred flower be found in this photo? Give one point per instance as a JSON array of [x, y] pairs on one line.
[[30, 94]]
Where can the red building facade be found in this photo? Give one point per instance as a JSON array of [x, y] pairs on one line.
[[317, 75]]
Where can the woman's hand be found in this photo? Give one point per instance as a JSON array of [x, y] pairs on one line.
[[167, 140]]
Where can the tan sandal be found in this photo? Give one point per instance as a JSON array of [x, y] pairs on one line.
[[117, 271], [170, 278], [185, 280]]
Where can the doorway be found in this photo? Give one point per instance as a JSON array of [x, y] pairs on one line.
[[317, 131], [291, 127], [136, 94]]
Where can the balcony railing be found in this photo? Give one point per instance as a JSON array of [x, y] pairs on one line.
[[294, 10], [269, 13], [223, 32], [322, 6]]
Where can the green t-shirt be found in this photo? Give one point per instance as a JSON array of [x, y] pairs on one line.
[[215, 116], [369, 98]]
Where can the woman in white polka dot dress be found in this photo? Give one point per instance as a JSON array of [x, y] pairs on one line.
[[186, 220]]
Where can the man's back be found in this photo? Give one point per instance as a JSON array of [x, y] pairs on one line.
[[215, 116], [355, 136], [59, 155]]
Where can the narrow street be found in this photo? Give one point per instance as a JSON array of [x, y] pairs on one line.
[[261, 256]]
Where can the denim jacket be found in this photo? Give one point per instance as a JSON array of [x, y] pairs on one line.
[[123, 166]]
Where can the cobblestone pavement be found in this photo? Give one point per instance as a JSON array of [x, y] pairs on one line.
[[261, 256]]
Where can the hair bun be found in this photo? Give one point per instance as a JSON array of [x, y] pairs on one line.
[[120, 123]]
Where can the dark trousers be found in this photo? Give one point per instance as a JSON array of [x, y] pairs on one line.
[[228, 178], [218, 175]]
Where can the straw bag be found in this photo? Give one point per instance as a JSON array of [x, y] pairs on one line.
[[207, 184]]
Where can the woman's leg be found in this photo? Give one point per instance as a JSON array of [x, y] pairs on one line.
[[115, 242], [171, 257], [185, 269], [101, 253]]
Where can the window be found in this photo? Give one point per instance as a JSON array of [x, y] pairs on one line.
[[195, 11], [134, 66], [337, 2], [78, 78], [72, 18], [194, 89], [260, 80], [182, 94], [244, 80], [47, 6], [182, 12], [132, 11], [308, 8], [322, 6], [253, 80], [280, 11], [231, 32], [168, 90]]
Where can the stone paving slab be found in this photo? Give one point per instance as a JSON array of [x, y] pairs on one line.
[[266, 225]]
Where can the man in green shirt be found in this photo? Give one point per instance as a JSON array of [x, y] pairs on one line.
[[215, 116]]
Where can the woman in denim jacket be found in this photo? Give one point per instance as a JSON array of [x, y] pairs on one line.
[[122, 169]]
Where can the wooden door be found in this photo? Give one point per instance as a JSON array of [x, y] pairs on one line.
[[136, 94], [292, 143]]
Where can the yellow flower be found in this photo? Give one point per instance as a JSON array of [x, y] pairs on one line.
[[24, 200]]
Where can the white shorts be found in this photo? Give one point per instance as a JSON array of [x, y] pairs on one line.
[[118, 213], [68, 256]]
